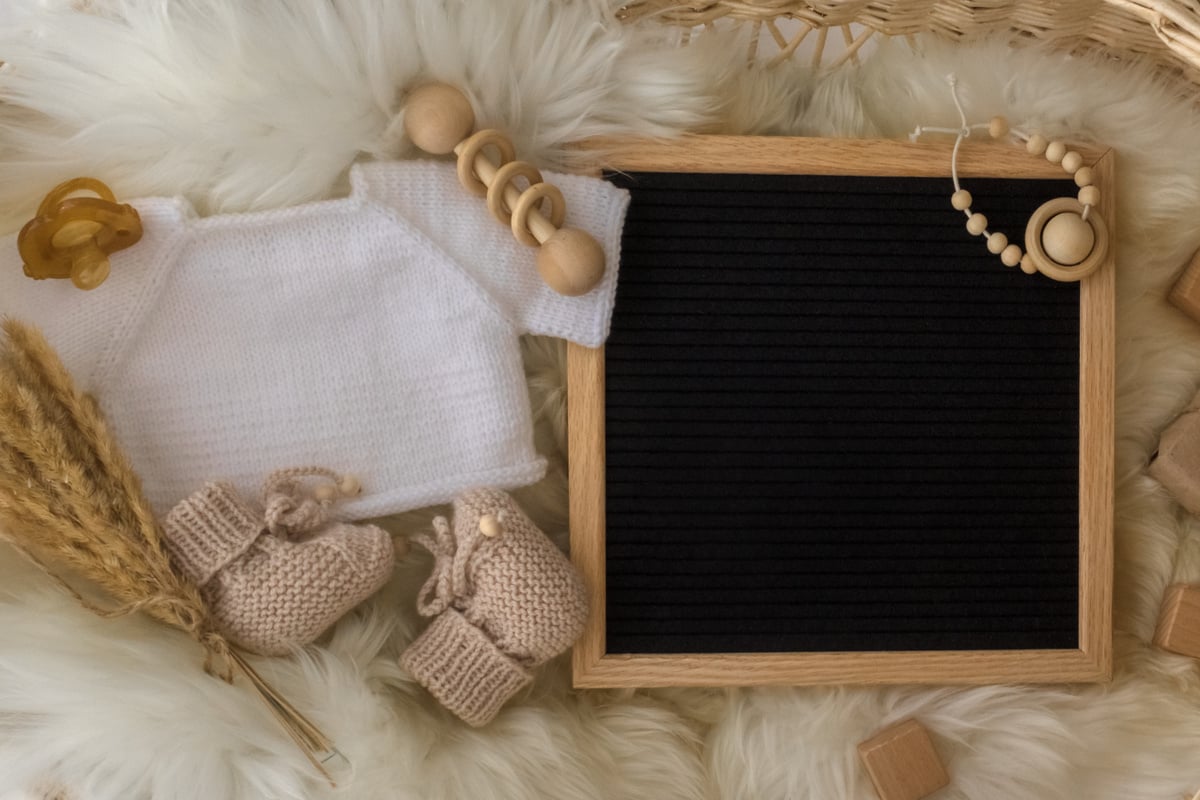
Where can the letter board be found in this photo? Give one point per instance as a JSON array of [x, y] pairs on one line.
[[831, 438]]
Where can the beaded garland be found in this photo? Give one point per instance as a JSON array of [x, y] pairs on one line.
[[1063, 239]]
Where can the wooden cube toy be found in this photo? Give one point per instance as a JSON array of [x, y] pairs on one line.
[[1186, 294], [902, 762], [1176, 463], [1179, 622]]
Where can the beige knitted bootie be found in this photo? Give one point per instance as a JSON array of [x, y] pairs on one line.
[[504, 600], [270, 592]]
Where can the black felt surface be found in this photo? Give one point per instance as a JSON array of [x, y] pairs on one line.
[[836, 422]]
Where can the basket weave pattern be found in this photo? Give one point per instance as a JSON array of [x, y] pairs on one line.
[[1165, 31]]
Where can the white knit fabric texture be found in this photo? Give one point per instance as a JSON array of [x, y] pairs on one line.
[[374, 334]]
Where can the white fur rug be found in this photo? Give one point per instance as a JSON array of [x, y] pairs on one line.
[[260, 104]]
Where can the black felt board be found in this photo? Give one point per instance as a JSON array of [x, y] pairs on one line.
[[835, 422]]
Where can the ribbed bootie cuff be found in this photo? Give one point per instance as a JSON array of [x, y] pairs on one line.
[[208, 530], [461, 667]]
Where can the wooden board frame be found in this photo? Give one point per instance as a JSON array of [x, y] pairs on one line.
[[593, 667]]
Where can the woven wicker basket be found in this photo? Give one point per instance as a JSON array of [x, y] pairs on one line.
[[1166, 32]]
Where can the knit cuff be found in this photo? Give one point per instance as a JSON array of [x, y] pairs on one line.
[[208, 530], [461, 667]]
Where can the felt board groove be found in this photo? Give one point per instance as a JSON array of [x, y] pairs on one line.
[[816, 383]]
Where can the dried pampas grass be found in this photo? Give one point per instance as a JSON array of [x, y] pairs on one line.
[[68, 496], [69, 499]]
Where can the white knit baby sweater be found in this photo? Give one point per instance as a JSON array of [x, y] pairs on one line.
[[374, 334]]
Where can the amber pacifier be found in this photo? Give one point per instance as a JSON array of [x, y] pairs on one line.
[[72, 237]]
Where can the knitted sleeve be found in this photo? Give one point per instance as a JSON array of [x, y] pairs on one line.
[[91, 329], [428, 196]]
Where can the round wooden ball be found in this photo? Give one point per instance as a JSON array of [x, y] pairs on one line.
[[350, 486], [1089, 196], [998, 127], [1036, 145], [1011, 256], [1027, 265], [1072, 161], [1068, 239], [1055, 152], [961, 200], [571, 262], [996, 243], [977, 224], [1083, 177], [438, 117], [489, 526]]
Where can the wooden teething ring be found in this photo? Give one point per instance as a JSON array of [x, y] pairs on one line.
[[530, 199], [1036, 250], [471, 148], [438, 119], [500, 182]]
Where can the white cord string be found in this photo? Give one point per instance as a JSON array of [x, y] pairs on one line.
[[998, 127], [964, 132]]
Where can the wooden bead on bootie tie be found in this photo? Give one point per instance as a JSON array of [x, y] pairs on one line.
[[439, 120]]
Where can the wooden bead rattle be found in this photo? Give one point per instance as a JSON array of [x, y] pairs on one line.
[[72, 237], [1064, 240], [439, 120]]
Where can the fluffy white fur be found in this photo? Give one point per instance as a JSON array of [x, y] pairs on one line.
[[252, 105]]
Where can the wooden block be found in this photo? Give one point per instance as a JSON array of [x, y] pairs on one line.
[[1186, 294], [902, 762], [1179, 622], [1176, 462]]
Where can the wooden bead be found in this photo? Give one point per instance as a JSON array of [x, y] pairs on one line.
[[1089, 196], [977, 224], [1049, 246], [1083, 176], [490, 526], [1027, 265], [961, 200], [903, 763], [325, 493], [1055, 152], [996, 243], [437, 117], [1011, 256], [1072, 161], [1036, 145], [1067, 239], [350, 486], [998, 127], [571, 262]]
